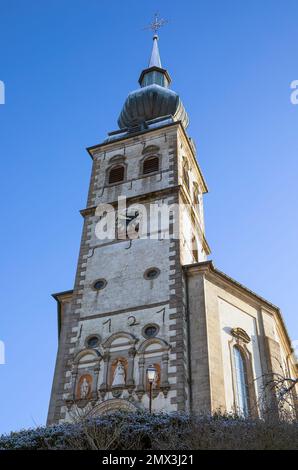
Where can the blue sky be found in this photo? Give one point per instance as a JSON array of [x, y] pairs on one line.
[[68, 66]]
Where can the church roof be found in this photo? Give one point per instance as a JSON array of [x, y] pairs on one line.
[[208, 266], [154, 99], [155, 57]]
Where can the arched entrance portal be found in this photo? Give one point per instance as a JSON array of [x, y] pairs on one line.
[[114, 404]]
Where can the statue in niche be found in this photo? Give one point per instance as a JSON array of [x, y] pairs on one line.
[[119, 375], [156, 380], [85, 388]]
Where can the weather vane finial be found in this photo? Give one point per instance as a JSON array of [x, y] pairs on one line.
[[157, 23]]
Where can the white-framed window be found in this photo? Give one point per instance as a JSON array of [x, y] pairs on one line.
[[242, 391]]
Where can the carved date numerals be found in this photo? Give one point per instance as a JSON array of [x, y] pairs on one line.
[[132, 321], [109, 323], [163, 312]]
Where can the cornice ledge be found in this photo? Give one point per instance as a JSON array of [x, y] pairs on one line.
[[96, 148], [130, 200], [203, 267], [207, 267], [59, 296]]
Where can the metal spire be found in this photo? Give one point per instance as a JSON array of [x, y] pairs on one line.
[[155, 26], [155, 57]]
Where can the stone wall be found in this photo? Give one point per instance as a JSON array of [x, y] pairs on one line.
[[119, 312]]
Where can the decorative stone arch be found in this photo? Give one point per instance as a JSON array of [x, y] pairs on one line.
[[85, 352], [162, 360], [128, 354], [119, 158], [131, 339], [241, 336], [239, 340], [155, 340], [150, 149], [92, 370], [114, 404]]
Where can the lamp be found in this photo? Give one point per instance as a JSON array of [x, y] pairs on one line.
[[151, 375]]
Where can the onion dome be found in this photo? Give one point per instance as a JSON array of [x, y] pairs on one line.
[[154, 99]]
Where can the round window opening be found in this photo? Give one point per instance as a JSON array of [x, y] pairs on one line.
[[150, 331], [93, 341], [152, 273], [99, 284]]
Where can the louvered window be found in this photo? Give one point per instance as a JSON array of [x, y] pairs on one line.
[[116, 174], [150, 165]]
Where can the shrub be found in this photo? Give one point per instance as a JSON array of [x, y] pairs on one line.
[[125, 430]]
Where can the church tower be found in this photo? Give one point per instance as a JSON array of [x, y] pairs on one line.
[[127, 308], [144, 293]]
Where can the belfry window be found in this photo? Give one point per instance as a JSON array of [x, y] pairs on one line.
[[242, 392], [150, 165], [116, 174]]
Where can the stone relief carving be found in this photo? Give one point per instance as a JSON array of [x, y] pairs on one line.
[[240, 334], [85, 388]]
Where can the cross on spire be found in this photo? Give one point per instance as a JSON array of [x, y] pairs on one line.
[[156, 24]]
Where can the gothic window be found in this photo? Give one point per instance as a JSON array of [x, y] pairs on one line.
[[116, 174], [242, 391], [150, 165]]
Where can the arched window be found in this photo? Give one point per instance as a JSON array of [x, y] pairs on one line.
[[150, 165], [242, 391], [116, 174]]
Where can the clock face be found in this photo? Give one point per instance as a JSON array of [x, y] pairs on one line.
[[128, 223]]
